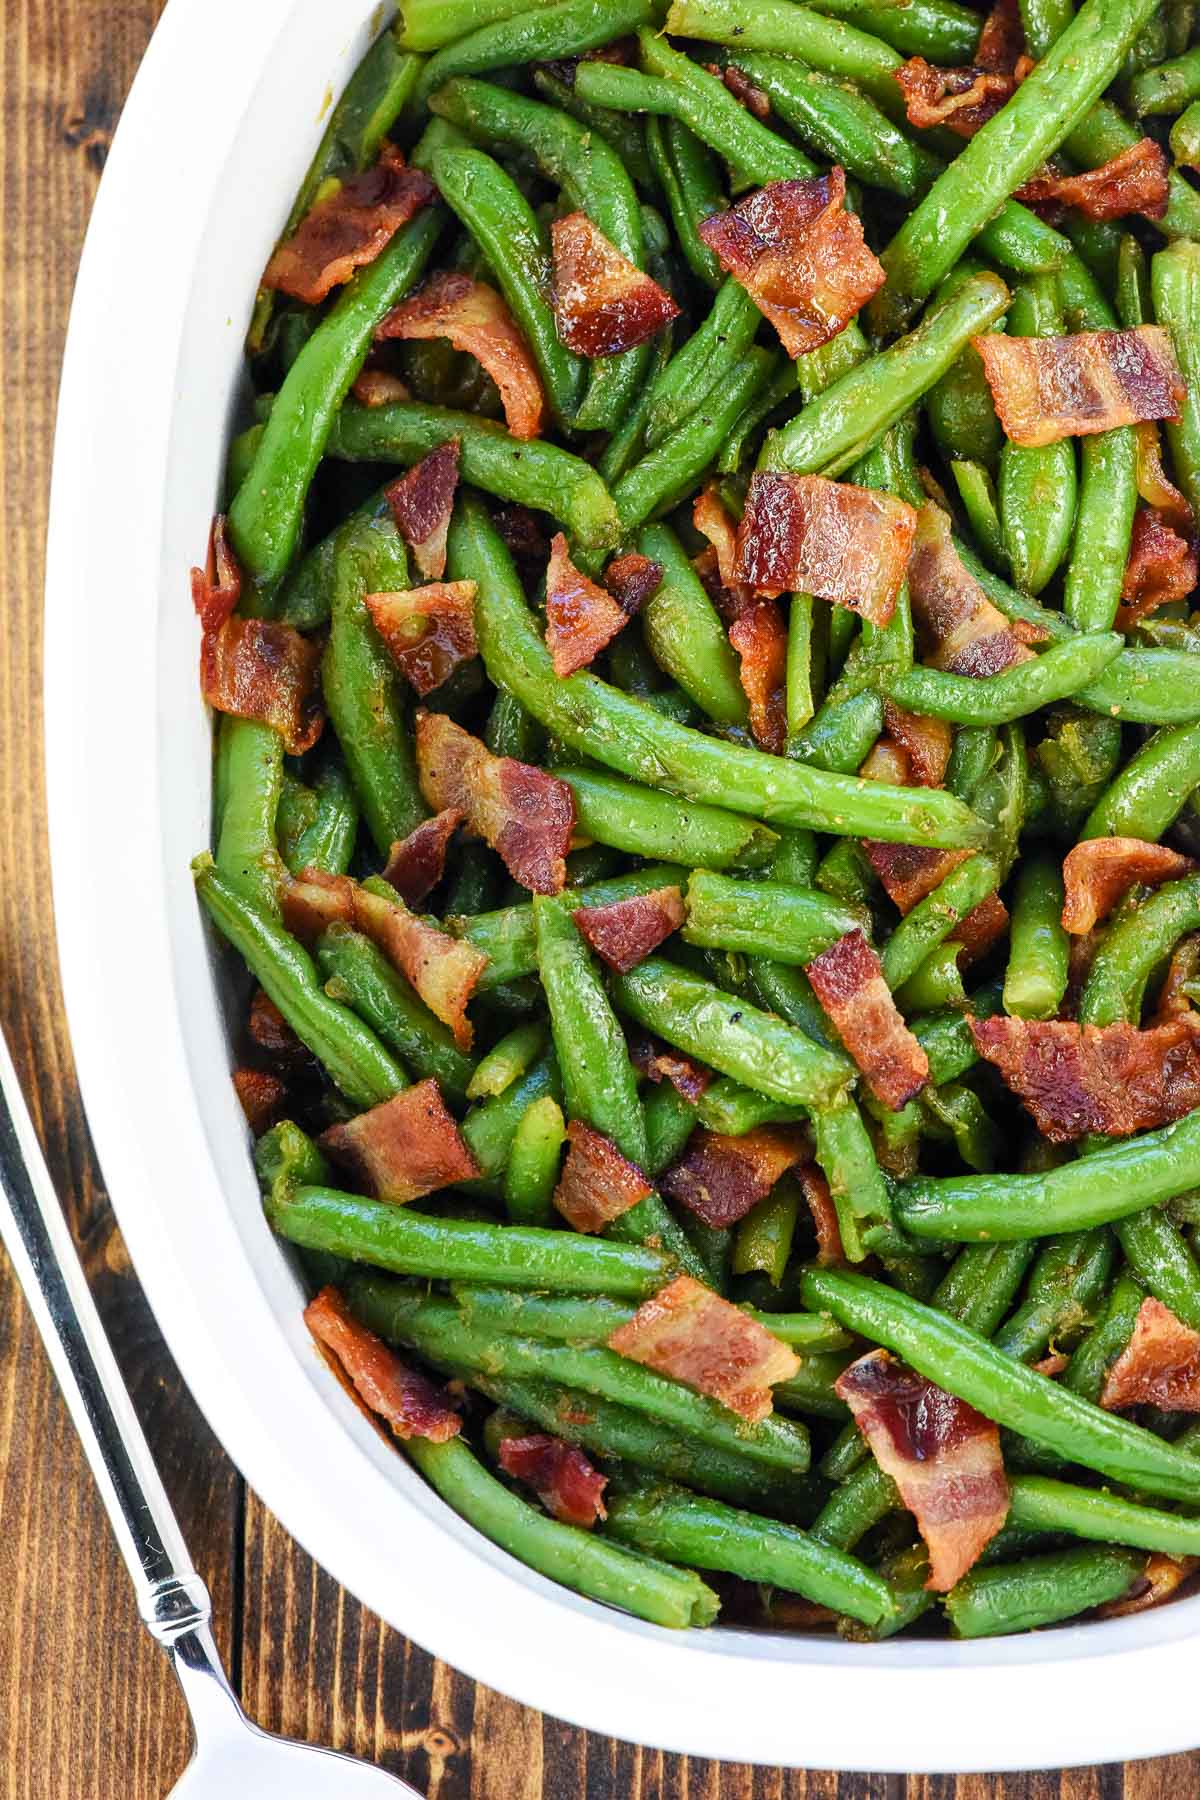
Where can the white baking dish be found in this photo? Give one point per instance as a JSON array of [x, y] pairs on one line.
[[218, 131]]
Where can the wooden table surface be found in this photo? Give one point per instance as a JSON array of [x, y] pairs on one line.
[[88, 1710]]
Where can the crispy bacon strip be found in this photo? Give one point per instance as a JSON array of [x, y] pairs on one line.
[[1182, 971], [560, 1475], [409, 1402], [926, 742], [1159, 1581], [525, 814], [961, 629], [982, 927], [523, 538], [713, 519], [1114, 1079], [379, 387], [217, 587], [814, 536], [624, 932], [1159, 1366], [262, 1097], [631, 579], [261, 669], [943, 1456], [443, 970], [428, 631], [848, 981], [760, 638], [1133, 182], [349, 228], [417, 862], [748, 92], [887, 761], [1162, 566], [800, 256], [694, 1336], [603, 303], [960, 99], [1051, 388], [475, 318], [422, 501], [819, 1200], [1153, 483], [659, 1062], [721, 1179], [910, 871], [404, 1148], [1002, 41], [597, 1183], [582, 618], [267, 1027], [1100, 872]]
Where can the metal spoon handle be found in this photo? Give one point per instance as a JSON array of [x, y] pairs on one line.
[[172, 1598]]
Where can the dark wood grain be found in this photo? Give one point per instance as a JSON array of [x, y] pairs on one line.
[[87, 1709]]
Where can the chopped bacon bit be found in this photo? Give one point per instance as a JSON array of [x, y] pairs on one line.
[[624, 932], [1113, 1079], [1001, 44], [268, 1028], [819, 1200], [886, 761], [1159, 1366], [404, 1148], [603, 303], [417, 862], [748, 92], [527, 815], [1183, 968], [1153, 483], [961, 99], [261, 669], [982, 927], [1100, 871], [962, 631], [582, 618], [800, 256], [411, 1404], [910, 871], [1133, 182], [523, 537], [443, 970], [262, 1097], [428, 631], [217, 587], [807, 534], [943, 1456], [760, 638], [597, 1183], [1052, 1365], [1057, 387], [349, 228], [694, 1336], [475, 319], [721, 1179], [658, 1062], [1159, 1581], [1162, 567], [848, 981], [379, 387], [422, 501], [631, 579], [713, 520], [927, 743], [560, 1475]]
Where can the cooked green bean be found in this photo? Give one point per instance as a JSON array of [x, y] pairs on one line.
[[360, 976], [1038, 486], [1039, 949], [1075, 667], [764, 918], [1041, 1590]]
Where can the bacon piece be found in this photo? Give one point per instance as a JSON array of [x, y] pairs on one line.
[[1159, 1366], [624, 932], [261, 1096], [443, 970], [982, 927], [1100, 871], [1114, 1079], [582, 618], [1001, 44], [349, 228], [943, 1456], [1182, 971], [560, 1475], [422, 501], [475, 319], [603, 303], [268, 1028], [751, 96], [523, 537], [721, 1179], [261, 669], [428, 631], [1162, 567], [713, 519], [910, 871], [926, 742], [886, 761], [417, 862], [525, 814], [378, 387], [659, 1062], [1057, 387], [961, 629], [1052, 1365], [631, 579], [760, 638], [806, 534], [694, 1336], [217, 587], [1133, 182], [1153, 483], [597, 1183], [960, 99], [819, 1200], [1159, 1581], [848, 981], [800, 256], [410, 1403], [404, 1148]]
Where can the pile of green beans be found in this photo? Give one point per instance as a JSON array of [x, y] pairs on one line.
[[1008, 1270]]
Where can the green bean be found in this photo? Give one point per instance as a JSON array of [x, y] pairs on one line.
[[937, 29], [811, 1389], [960, 408], [1039, 950], [1044, 20], [805, 653], [1175, 278], [647, 823], [1038, 486], [563, 1318], [626, 137], [670, 1121], [690, 177], [845, 874], [1134, 303], [532, 1171], [856, 1184], [1168, 88], [732, 1110], [949, 1353], [626, 735], [668, 1522], [860, 1502], [1158, 1254], [795, 859], [1132, 948], [1151, 790], [935, 982], [1145, 687], [507, 1060], [841, 735], [1047, 1505], [1185, 138], [932, 919], [706, 360], [360, 975], [533, 34], [982, 1282], [491, 1127], [763, 1242], [1103, 134], [793, 31], [1074, 667], [1012, 604], [1040, 1590], [1122, 1178], [429, 24], [1088, 1368], [506, 936], [250, 765], [764, 918], [328, 837], [1065, 1286]]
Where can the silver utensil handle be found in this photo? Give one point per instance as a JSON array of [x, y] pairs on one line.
[[172, 1598]]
